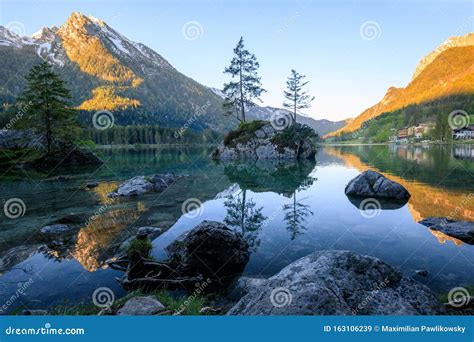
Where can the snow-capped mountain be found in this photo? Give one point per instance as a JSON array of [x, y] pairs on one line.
[[107, 71], [11, 39]]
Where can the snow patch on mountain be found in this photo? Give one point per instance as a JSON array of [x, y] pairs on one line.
[[9, 38]]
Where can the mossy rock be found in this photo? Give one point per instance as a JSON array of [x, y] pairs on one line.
[[243, 133]]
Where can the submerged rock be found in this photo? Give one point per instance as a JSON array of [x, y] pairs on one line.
[[260, 140], [151, 232], [56, 229], [338, 283], [92, 185], [422, 273], [461, 230], [373, 184], [211, 249], [140, 185], [140, 306]]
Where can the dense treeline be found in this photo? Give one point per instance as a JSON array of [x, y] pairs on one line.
[[437, 112], [130, 135]]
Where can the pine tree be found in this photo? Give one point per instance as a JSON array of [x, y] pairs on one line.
[[239, 94], [49, 111], [297, 98]]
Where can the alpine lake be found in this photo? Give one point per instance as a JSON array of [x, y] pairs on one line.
[[285, 211]]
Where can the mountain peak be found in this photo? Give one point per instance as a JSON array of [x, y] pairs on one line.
[[45, 34], [455, 41]]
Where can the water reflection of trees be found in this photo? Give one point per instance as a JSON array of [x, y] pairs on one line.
[[286, 178], [296, 214], [244, 215]]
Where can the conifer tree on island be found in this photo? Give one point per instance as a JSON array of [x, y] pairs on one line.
[[49, 111], [240, 93], [296, 97]]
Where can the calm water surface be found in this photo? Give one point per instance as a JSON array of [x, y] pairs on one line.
[[285, 211]]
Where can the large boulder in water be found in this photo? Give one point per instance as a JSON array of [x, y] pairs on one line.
[[338, 283], [211, 249], [461, 230], [375, 185], [140, 185]]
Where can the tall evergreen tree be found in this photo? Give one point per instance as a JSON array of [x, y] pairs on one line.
[[241, 92], [296, 97], [49, 111]]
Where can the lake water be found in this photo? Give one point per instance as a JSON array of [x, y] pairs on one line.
[[284, 211]]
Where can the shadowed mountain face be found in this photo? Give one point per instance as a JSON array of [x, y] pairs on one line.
[[107, 71], [447, 71]]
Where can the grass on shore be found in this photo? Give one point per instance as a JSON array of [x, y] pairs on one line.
[[189, 306]]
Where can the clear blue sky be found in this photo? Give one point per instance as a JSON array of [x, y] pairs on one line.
[[321, 39]]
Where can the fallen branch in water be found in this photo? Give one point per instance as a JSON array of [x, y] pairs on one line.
[[153, 282]]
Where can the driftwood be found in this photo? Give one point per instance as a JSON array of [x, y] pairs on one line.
[[150, 274], [154, 282]]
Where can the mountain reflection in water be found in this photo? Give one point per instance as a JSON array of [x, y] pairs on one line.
[[285, 211]]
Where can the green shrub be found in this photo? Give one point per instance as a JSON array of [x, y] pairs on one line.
[[139, 248], [292, 135], [243, 133]]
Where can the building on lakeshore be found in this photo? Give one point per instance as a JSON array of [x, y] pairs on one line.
[[422, 129], [402, 135], [465, 133]]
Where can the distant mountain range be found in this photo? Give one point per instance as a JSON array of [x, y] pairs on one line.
[[321, 126], [447, 71], [107, 71]]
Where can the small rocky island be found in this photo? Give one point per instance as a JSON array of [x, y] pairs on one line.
[[25, 149], [261, 140]]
